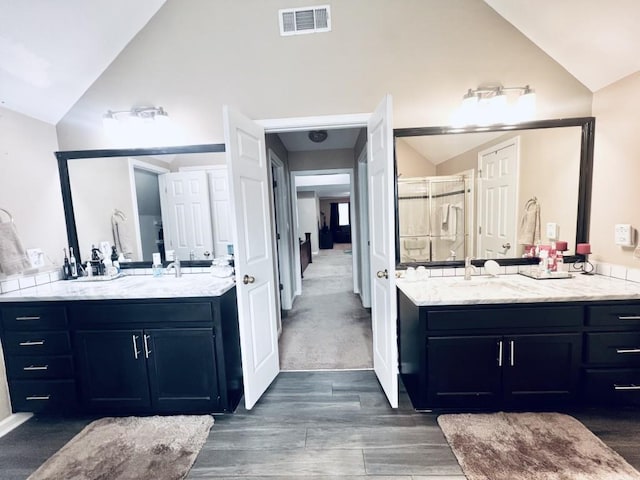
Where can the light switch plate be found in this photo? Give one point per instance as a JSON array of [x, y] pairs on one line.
[[552, 231], [623, 235]]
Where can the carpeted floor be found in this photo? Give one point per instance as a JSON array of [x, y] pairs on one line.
[[144, 448], [327, 328], [531, 446]]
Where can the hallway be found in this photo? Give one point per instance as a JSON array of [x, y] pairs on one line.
[[327, 329]]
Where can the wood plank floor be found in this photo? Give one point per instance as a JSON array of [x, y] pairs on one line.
[[315, 425]]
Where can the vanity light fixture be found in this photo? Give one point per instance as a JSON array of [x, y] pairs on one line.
[[489, 105], [136, 114]]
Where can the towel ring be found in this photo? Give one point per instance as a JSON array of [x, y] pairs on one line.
[[119, 213], [8, 214]]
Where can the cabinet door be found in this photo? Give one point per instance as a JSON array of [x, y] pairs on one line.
[[541, 369], [463, 371], [182, 369], [113, 371]]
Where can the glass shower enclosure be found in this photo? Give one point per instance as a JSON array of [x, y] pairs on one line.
[[435, 218]]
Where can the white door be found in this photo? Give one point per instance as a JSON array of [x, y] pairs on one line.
[[186, 214], [219, 188], [382, 238], [252, 234], [498, 193]]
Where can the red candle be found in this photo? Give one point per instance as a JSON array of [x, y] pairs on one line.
[[561, 246], [583, 249]]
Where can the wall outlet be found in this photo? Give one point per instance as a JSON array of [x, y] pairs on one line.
[[552, 231], [623, 235]]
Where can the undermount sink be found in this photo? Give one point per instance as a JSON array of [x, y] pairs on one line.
[[481, 282], [98, 278]]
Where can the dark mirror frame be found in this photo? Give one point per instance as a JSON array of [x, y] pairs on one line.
[[584, 186], [65, 185]]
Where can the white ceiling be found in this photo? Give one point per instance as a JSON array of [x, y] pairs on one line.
[[595, 40], [52, 51], [336, 139], [440, 148]]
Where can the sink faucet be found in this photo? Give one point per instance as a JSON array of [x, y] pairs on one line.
[[468, 268], [176, 266]]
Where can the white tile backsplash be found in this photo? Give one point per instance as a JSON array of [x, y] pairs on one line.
[[26, 282], [618, 271]]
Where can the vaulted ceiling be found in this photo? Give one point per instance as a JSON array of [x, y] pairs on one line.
[[51, 52]]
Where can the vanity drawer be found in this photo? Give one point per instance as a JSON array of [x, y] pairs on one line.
[[516, 317], [627, 315], [86, 314], [41, 366], [34, 317], [46, 396], [619, 348], [37, 343], [613, 386]]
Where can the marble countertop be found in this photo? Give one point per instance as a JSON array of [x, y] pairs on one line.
[[125, 287], [516, 289]]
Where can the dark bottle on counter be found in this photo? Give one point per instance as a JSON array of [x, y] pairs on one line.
[[66, 266]]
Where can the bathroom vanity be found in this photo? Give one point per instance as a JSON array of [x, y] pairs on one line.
[[513, 342], [135, 344]]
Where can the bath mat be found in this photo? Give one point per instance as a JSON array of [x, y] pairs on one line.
[[531, 446], [144, 448]]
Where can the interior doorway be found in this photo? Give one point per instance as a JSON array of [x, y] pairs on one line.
[[327, 328]]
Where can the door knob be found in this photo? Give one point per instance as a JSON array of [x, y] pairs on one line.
[[506, 246], [248, 279], [382, 274]]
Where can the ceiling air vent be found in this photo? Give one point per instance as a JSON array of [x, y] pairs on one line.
[[295, 21]]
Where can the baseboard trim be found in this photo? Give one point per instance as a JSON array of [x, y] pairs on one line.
[[13, 421]]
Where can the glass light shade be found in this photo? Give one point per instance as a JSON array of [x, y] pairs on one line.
[[526, 106]]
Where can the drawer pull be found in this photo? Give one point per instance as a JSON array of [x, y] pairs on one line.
[[500, 353], [626, 387], [28, 318], [32, 368], [628, 317], [145, 337], [512, 353], [32, 343], [39, 397], [627, 350], [136, 352]]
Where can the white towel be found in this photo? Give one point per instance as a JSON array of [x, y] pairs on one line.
[[529, 232], [121, 236], [13, 258], [449, 229]]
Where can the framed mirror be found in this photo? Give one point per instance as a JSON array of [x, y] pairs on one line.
[[126, 198], [491, 192]]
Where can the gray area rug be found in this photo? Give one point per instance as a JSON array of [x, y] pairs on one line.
[[531, 446], [141, 448], [327, 328]]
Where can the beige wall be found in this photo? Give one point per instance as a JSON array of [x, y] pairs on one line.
[[30, 184], [193, 57], [308, 220], [98, 187], [30, 190], [410, 163], [616, 170], [321, 160], [549, 170]]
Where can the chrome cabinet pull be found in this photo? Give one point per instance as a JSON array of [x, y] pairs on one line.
[[512, 353], [38, 397], [627, 350], [626, 387], [136, 352], [500, 353], [628, 317], [32, 368], [32, 343], [146, 337], [28, 318]]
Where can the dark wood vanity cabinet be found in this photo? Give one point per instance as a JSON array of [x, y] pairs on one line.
[[490, 356], [120, 357], [612, 353], [166, 370]]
